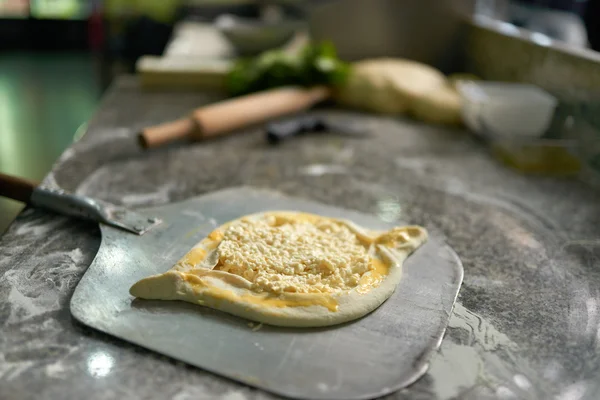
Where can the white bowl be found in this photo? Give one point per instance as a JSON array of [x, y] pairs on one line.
[[253, 36]]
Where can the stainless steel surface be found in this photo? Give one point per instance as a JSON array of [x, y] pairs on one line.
[[424, 30], [84, 207], [394, 343], [497, 9], [564, 26]]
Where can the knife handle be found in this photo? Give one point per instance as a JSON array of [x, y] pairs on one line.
[[16, 188], [229, 115]]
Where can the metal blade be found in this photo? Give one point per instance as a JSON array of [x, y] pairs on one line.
[[323, 363], [96, 210]]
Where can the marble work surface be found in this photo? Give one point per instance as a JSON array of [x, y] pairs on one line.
[[526, 325]]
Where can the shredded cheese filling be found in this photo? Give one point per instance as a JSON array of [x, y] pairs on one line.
[[285, 255]]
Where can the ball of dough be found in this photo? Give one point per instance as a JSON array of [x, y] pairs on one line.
[[442, 105], [388, 85], [369, 89]]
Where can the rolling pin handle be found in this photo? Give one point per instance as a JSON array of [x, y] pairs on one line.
[[155, 136], [16, 188]]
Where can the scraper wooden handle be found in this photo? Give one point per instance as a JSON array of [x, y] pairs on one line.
[[16, 188], [229, 115]]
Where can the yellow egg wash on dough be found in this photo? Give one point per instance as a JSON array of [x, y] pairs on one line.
[[374, 277], [216, 235], [289, 269], [367, 281], [264, 299], [194, 256], [398, 236]]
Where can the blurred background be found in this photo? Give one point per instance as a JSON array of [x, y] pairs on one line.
[[57, 57]]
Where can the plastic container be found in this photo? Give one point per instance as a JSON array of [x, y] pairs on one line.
[[512, 118], [586, 132], [506, 110], [538, 156]]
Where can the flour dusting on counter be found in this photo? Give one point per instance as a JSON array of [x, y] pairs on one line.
[[424, 168], [161, 195]]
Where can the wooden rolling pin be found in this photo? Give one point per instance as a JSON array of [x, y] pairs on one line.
[[229, 115]]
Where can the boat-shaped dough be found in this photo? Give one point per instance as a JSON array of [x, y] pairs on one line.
[[289, 269]]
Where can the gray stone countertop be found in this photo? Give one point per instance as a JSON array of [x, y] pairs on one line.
[[526, 324]]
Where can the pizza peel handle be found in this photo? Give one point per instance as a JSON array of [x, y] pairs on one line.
[[16, 188], [229, 115], [61, 202]]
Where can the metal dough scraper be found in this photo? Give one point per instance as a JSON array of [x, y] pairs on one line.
[[371, 357]]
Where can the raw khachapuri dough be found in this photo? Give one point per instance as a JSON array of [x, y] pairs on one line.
[[289, 269]]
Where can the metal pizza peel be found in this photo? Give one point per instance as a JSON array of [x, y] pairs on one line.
[[371, 357]]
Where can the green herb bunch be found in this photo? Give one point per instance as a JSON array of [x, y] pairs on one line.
[[315, 64]]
